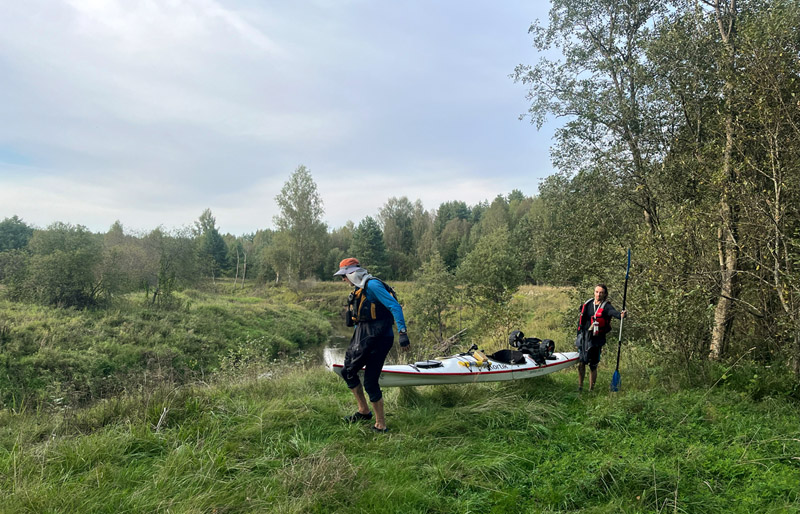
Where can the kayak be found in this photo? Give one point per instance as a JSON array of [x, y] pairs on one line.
[[466, 368]]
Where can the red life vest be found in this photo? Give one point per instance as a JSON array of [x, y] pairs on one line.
[[603, 325]]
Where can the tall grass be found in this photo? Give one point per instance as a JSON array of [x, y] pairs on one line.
[[70, 357], [269, 437], [279, 445]]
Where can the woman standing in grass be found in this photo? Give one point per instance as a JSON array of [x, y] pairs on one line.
[[372, 309], [594, 323]]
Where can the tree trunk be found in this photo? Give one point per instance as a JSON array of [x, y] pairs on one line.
[[728, 260], [728, 249], [725, 13], [236, 278], [244, 270]]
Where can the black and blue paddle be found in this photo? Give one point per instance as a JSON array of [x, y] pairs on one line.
[[616, 378]]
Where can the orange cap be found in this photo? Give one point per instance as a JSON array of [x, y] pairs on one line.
[[350, 261], [348, 265]]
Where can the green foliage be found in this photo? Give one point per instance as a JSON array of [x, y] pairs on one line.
[[491, 274], [368, 247], [491, 271], [431, 302], [14, 234], [449, 211], [404, 225], [211, 247], [453, 242], [681, 141], [64, 268], [300, 220], [168, 262]]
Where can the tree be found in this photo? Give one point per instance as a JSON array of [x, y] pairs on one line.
[[63, 268], [491, 274], [14, 234], [237, 256], [172, 261], [431, 300], [258, 265], [604, 88], [449, 211], [396, 218], [278, 255], [766, 155], [491, 271], [300, 220], [212, 250], [496, 216], [422, 230], [686, 112], [452, 238], [369, 249]]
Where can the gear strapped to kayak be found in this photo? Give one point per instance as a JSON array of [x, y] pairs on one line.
[[541, 350]]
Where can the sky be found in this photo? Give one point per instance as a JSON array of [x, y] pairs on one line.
[[150, 111]]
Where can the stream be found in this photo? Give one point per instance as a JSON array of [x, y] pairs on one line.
[[333, 351]]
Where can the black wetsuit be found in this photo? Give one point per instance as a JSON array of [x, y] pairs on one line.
[[372, 341]]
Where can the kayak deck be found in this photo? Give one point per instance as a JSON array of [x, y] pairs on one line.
[[466, 369]]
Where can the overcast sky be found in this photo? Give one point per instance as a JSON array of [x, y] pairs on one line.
[[150, 111]]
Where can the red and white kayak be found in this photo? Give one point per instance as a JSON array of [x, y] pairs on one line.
[[466, 369]]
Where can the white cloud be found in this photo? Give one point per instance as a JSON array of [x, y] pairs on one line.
[[149, 111]]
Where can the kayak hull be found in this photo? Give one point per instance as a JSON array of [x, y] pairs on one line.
[[465, 369]]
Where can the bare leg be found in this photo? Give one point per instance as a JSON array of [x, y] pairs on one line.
[[380, 418], [358, 392], [581, 374], [592, 378]]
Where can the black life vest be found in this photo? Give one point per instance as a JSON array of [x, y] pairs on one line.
[[603, 325], [361, 310]]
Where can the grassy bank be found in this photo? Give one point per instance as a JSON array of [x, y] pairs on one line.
[[68, 357], [279, 445]]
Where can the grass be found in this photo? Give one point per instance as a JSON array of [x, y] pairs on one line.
[[544, 308], [279, 445], [268, 436], [72, 357]]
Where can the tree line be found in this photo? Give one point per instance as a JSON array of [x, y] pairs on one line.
[[68, 265]]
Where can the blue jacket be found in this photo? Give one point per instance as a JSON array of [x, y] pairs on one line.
[[377, 293]]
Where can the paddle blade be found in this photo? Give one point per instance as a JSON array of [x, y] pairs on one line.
[[615, 381]]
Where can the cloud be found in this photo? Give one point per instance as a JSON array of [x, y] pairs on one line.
[[149, 111]]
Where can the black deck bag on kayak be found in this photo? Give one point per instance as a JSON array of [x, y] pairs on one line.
[[508, 357], [539, 350]]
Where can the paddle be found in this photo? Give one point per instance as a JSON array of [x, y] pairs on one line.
[[616, 378]]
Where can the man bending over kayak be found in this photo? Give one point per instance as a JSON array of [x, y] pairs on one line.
[[372, 309]]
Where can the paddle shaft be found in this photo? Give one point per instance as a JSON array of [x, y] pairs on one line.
[[624, 299]]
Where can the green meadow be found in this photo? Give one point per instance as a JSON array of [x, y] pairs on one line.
[[249, 428]]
